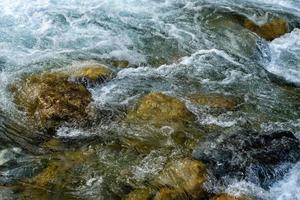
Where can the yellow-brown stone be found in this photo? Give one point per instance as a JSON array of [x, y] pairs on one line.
[[140, 194], [228, 197], [93, 72], [269, 31], [159, 109], [214, 101], [170, 194], [120, 63], [57, 171], [184, 175], [159, 121], [50, 99]]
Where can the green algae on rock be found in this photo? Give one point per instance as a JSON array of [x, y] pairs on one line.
[[270, 30], [50, 99]]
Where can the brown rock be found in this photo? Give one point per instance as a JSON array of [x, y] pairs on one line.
[[91, 75], [228, 197], [159, 121], [50, 99], [214, 101], [269, 31], [159, 109], [56, 174], [120, 63], [140, 194], [171, 194], [184, 175]]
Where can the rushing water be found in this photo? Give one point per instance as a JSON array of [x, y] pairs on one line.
[[178, 47]]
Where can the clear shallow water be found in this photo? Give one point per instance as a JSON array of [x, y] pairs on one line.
[[176, 47]]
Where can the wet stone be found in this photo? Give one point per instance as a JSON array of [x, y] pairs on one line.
[[159, 109], [91, 75], [270, 30], [256, 157], [58, 172], [170, 194], [228, 197], [50, 99], [140, 194], [214, 101], [159, 121], [183, 176], [120, 63]]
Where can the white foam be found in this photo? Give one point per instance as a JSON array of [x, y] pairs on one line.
[[285, 52], [289, 187]]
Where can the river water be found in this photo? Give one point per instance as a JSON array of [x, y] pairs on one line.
[[177, 47]]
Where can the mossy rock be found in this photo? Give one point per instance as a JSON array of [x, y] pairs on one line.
[[159, 121], [91, 75], [184, 175], [228, 197], [159, 109], [58, 171], [269, 31], [214, 101], [51, 99], [171, 194], [140, 194]]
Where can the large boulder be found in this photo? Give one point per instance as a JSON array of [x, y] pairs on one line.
[[51, 99], [184, 177], [256, 157], [270, 30]]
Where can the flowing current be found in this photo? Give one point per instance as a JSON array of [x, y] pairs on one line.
[[177, 47]]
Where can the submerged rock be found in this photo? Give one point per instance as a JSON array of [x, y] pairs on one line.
[[91, 75], [159, 109], [50, 99], [170, 194], [159, 121], [140, 194], [214, 101], [258, 158], [57, 174], [228, 197], [269, 31], [120, 63], [183, 177]]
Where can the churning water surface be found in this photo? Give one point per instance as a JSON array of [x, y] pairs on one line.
[[177, 47]]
